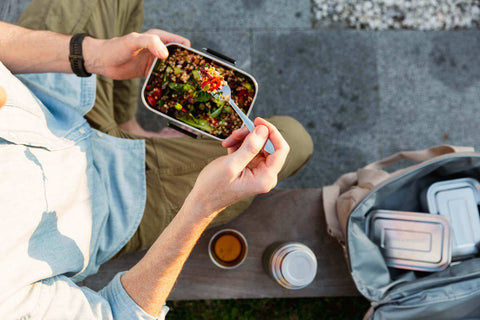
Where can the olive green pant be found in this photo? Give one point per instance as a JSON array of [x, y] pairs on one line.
[[173, 164]]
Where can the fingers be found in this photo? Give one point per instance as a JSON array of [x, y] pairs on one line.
[[168, 37], [275, 160], [249, 149], [151, 42], [3, 97], [236, 138]]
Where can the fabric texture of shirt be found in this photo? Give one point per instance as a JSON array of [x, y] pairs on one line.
[[70, 198]]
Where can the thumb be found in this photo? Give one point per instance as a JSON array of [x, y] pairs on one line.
[[153, 43], [250, 147]]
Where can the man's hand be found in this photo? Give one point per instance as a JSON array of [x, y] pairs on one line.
[[31, 51], [246, 171], [130, 56]]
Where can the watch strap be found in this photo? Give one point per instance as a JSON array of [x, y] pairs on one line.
[[77, 62]]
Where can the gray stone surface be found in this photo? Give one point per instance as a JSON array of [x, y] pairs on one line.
[[429, 89], [208, 15], [327, 81]]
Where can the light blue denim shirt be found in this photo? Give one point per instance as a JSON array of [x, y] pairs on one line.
[[70, 198]]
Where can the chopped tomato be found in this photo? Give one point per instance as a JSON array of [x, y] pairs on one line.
[[242, 95], [151, 101], [157, 93]]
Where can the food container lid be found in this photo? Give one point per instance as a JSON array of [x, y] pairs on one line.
[[411, 240], [457, 200], [299, 268]]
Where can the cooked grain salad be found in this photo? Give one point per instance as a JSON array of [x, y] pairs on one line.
[[175, 89]]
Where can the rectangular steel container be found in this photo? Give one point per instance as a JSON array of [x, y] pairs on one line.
[[411, 240], [458, 200], [213, 56]]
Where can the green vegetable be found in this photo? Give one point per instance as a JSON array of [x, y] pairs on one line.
[[196, 75], [177, 71], [187, 87], [216, 113], [248, 86], [167, 71], [160, 103], [196, 123], [178, 106], [202, 96], [158, 65], [228, 109], [177, 87], [202, 106], [220, 103]]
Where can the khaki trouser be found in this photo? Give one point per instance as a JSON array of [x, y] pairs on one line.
[[172, 165]]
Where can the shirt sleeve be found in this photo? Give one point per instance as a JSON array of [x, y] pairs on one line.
[[59, 298]]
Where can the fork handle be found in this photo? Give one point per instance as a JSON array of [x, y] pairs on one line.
[[250, 125]]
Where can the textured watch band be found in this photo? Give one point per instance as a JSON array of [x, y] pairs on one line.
[[76, 55]]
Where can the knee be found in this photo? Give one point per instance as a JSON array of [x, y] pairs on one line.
[[299, 140]]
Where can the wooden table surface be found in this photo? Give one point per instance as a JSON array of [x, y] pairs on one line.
[[281, 215]]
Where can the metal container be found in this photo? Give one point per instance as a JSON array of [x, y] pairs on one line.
[[239, 249], [411, 240], [211, 55], [292, 265], [458, 200]]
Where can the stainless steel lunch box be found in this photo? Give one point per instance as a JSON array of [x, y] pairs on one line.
[[458, 200], [411, 240], [209, 55]]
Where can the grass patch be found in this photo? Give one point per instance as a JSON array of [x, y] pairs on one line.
[[271, 309]]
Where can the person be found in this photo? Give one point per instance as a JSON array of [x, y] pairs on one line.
[[82, 182]]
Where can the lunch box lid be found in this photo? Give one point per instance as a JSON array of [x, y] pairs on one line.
[[411, 240], [458, 200]]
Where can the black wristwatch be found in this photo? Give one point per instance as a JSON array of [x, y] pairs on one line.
[[76, 55]]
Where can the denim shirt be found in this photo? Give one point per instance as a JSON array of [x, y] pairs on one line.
[[70, 198]]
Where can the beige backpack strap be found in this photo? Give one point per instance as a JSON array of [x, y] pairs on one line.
[[330, 195], [418, 156]]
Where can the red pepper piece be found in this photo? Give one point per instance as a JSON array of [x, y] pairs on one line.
[[205, 83], [242, 95], [151, 101], [215, 82]]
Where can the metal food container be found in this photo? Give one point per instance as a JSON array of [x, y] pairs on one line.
[[292, 265], [210, 56], [411, 240], [458, 200]]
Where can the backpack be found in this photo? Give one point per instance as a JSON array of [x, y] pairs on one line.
[[453, 293]]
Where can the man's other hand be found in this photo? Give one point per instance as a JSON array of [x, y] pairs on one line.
[[130, 56], [246, 171]]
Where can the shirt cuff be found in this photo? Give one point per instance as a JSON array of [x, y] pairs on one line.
[[123, 306]]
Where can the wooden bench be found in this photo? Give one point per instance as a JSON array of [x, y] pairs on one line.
[[281, 215]]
